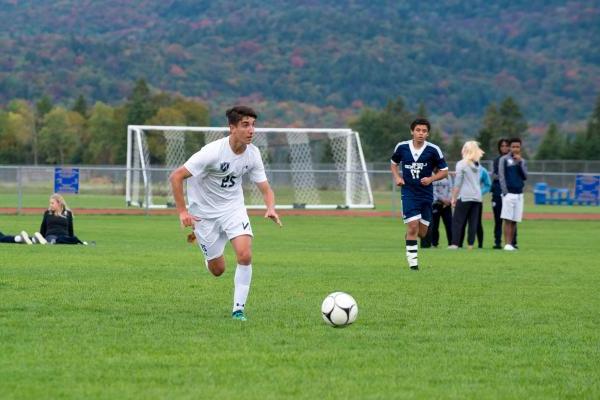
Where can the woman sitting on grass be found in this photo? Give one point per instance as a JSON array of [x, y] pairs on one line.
[[57, 225]]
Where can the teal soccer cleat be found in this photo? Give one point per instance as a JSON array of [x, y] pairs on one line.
[[239, 315]]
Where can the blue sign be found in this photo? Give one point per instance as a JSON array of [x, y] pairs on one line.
[[587, 189], [66, 180]]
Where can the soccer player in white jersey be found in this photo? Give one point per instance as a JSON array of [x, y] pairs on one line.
[[216, 200]]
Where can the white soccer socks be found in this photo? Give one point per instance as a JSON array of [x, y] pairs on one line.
[[41, 239], [243, 276], [25, 237], [412, 254]]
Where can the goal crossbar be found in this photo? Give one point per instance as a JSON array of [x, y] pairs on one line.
[[311, 168]]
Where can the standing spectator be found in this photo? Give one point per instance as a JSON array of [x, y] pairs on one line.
[[466, 194], [486, 184], [442, 209], [503, 149], [512, 174], [417, 158]]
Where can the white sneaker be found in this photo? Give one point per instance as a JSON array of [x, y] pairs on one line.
[[453, 247], [509, 247], [25, 237], [40, 238]]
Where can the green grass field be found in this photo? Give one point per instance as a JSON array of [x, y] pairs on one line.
[[384, 201], [138, 316]]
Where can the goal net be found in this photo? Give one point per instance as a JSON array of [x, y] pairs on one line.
[[307, 168]]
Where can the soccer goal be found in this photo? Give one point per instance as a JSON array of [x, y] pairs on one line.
[[307, 168]]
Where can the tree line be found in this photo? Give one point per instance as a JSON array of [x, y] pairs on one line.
[[381, 130], [45, 133]]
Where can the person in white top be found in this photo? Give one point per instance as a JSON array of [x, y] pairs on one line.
[[216, 201]]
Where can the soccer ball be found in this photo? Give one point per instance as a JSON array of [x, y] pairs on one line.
[[339, 309]]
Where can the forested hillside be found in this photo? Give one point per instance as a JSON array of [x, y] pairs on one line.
[[319, 58]]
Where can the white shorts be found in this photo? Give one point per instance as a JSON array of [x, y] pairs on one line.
[[213, 234], [512, 207]]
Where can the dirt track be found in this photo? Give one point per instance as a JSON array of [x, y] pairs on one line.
[[340, 213]]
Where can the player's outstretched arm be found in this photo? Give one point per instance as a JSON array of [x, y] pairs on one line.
[[176, 179], [269, 198]]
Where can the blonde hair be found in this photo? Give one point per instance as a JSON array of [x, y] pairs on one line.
[[61, 201], [471, 152]]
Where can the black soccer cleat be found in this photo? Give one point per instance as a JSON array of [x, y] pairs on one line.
[[414, 268]]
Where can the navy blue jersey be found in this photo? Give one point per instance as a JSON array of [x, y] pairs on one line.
[[417, 164], [512, 174]]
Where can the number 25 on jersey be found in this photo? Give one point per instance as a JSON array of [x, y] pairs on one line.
[[228, 181]]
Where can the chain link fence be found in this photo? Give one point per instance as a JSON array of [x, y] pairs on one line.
[[103, 187]]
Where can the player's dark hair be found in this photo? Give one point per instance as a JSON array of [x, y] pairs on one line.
[[514, 140], [236, 113], [420, 121], [501, 142]]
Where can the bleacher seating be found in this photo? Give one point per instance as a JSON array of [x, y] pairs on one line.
[[540, 193], [560, 196]]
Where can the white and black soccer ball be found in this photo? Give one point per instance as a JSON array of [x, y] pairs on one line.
[[339, 309]]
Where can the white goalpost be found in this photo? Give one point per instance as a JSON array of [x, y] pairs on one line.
[[307, 168]]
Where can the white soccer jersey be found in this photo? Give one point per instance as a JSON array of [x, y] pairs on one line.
[[215, 187]]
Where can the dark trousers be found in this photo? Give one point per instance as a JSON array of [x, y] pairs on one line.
[[497, 209], [479, 230], [63, 239], [445, 214], [433, 233], [6, 238], [465, 211]]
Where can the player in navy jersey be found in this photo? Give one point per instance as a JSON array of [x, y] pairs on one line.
[[412, 166]]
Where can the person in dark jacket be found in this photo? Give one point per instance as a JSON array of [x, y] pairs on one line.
[[57, 224], [512, 174], [503, 149]]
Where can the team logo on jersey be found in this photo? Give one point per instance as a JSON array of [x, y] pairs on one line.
[[245, 225], [224, 166], [415, 169]]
